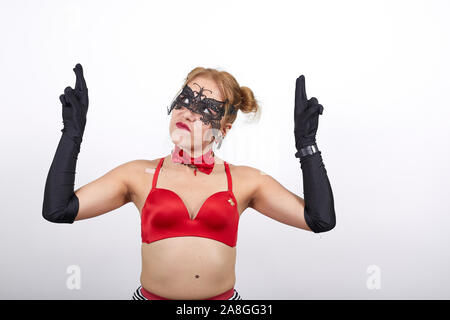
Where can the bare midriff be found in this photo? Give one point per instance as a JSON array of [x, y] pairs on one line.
[[188, 267]]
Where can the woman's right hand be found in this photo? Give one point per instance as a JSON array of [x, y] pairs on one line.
[[306, 117], [75, 104]]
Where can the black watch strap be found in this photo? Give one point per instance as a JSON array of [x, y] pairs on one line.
[[308, 150]]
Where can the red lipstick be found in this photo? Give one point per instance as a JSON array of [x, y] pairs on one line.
[[181, 125]]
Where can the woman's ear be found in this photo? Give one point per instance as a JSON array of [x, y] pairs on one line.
[[226, 128]]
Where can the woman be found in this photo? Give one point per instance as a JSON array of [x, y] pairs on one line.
[[190, 201]]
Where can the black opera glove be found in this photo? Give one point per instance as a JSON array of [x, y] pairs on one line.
[[61, 204], [318, 195]]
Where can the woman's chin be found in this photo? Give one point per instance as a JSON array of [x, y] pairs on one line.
[[187, 144], [186, 141], [183, 142], [181, 139]]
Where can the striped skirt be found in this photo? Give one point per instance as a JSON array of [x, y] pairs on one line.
[[142, 294]]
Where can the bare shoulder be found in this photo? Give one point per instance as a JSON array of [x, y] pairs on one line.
[[246, 176], [137, 172], [130, 168], [244, 172], [246, 181], [140, 166]]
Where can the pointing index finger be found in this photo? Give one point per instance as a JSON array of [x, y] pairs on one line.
[[300, 95]]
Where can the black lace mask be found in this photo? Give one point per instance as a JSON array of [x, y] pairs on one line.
[[210, 109]]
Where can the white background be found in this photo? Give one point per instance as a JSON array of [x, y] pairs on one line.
[[378, 67]]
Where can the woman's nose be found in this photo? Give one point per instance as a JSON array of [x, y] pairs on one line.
[[190, 114]]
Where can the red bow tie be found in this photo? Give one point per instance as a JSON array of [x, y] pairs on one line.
[[204, 163]]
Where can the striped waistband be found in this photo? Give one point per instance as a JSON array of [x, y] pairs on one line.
[[223, 296]]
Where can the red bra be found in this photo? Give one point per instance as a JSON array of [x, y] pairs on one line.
[[165, 215]]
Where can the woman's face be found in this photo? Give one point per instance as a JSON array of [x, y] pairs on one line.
[[199, 135]]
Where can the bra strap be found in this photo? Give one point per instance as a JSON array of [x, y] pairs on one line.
[[155, 175], [230, 182]]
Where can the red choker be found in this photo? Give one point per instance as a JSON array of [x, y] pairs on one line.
[[203, 163]]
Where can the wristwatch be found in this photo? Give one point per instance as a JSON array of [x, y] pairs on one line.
[[308, 150]]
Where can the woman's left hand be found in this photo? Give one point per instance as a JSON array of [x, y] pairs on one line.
[[306, 117]]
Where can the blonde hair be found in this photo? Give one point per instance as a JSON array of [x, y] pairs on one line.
[[242, 98]]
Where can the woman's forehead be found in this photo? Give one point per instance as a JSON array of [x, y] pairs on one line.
[[210, 88]]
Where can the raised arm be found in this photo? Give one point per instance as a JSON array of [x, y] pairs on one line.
[[112, 190], [60, 202], [275, 201], [105, 194], [319, 203], [316, 211]]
